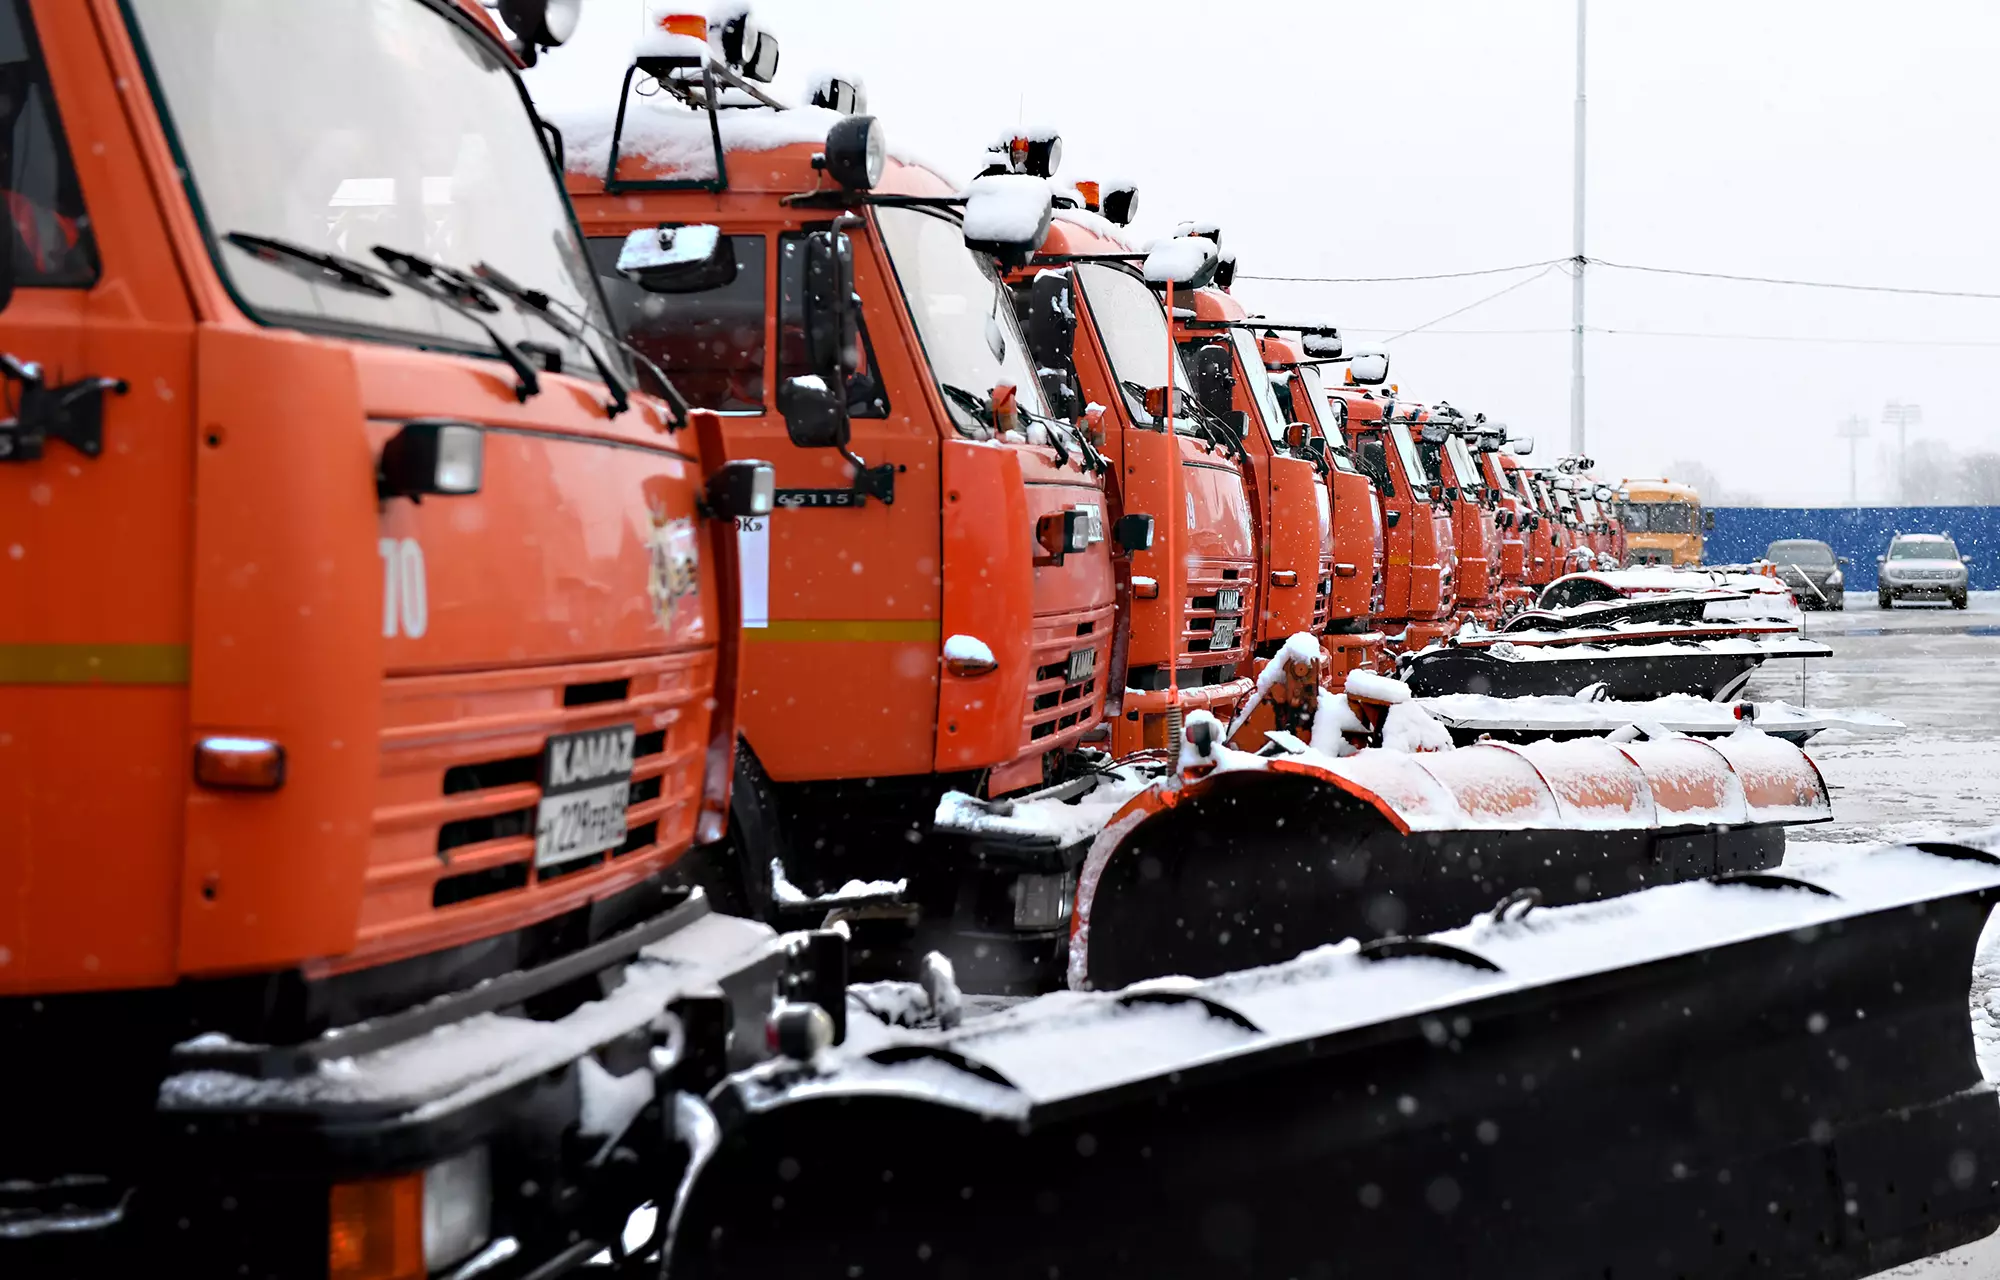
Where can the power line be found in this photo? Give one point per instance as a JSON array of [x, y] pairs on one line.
[[1695, 334], [1438, 275], [1480, 303], [1800, 284], [1567, 263]]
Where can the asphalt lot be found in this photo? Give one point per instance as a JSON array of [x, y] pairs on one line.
[[1938, 671]]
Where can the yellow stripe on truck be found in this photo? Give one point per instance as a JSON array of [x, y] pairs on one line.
[[93, 664], [894, 630]]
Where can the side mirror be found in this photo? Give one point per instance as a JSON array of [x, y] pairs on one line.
[[1965, 559], [1708, 521], [831, 344], [1841, 561], [815, 418], [1369, 368], [1052, 320], [1133, 533], [1321, 346], [1296, 436], [690, 259], [1214, 379], [540, 23], [1881, 559], [1187, 262], [1158, 403], [1317, 450], [1007, 216], [1521, 446]]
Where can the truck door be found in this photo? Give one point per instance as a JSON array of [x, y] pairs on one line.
[[95, 534]]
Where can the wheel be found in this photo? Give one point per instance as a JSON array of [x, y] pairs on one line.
[[1840, 604], [1958, 601], [1884, 600]]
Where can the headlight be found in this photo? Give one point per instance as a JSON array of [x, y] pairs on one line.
[[1834, 579]]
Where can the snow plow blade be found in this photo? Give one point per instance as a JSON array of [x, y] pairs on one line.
[[1247, 866], [1705, 1079], [1632, 671]]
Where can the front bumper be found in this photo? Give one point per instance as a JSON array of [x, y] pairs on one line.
[[1924, 589], [558, 1078]]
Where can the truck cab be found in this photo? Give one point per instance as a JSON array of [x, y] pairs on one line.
[[930, 608], [1443, 441], [368, 639], [1349, 638], [1293, 510], [1417, 555], [1192, 609], [1663, 522]]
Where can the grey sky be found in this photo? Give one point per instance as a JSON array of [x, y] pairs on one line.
[[1827, 140]]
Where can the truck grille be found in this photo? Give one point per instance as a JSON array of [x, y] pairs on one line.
[[1061, 708], [452, 853]]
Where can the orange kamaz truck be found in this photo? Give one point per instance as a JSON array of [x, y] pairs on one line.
[[367, 656], [1099, 328], [930, 608], [1418, 573]]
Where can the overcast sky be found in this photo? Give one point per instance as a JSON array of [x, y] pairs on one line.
[[1824, 140]]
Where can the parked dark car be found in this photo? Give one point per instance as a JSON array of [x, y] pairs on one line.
[[1921, 566], [1812, 571]]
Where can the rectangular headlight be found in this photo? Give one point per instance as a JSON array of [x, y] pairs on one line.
[[458, 1208], [461, 458]]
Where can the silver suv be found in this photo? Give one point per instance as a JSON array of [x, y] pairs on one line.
[[1921, 566]]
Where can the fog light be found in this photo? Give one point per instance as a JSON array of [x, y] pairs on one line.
[[798, 1030], [242, 764], [458, 1207], [1041, 901]]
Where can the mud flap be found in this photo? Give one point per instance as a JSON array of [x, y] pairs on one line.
[[1798, 1099]]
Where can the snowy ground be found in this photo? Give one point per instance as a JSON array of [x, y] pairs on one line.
[[1937, 670]]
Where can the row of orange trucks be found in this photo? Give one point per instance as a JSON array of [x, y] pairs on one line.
[[506, 621]]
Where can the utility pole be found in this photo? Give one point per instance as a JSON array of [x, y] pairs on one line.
[[1854, 430], [1899, 415], [1576, 264]]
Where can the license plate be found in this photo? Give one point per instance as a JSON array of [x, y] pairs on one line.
[[1228, 601], [1082, 664], [1224, 635], [586, 784]]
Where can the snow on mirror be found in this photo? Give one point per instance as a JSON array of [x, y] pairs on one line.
[[1370, 368], [1007, 213], [1187, 262], [651, 248]]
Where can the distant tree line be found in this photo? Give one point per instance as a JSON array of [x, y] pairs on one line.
[[1933, 475]]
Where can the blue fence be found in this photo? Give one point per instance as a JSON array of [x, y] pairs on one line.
[[1859, 533]]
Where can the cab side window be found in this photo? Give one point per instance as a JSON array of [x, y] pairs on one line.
[[50, 236], [710, 343], [867, 397]]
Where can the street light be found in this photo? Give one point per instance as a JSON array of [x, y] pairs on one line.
[[1899, 415], [1854, 430]]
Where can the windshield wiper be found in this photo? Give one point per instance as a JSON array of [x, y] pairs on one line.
[[311, 264], [973, 403], [413, 273], [462, 294], [539, 303], [671, 394]]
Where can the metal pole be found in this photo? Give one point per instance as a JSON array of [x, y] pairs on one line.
[[1576, 266]]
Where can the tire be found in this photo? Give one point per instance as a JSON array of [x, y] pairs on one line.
[[1958, 601], [1840, 604], [1883, 600]]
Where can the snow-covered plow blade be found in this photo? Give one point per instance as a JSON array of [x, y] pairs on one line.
[[1267, 856], [1762, 1076], [1629, 668]]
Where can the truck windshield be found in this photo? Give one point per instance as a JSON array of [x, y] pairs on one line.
[[1259, 382], [1462, 463], [1133, 328], [344, 125], [1659, 517], [1406, 449], [961, 315]]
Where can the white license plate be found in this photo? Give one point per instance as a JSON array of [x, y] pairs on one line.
[[1224, 635], [1082, 664], [1228, 601], [586, 785]]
